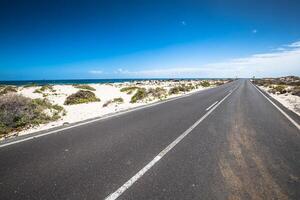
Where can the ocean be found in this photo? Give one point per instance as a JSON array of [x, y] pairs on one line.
[[84, 81]]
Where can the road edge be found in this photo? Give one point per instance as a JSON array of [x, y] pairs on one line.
[[278, 108]]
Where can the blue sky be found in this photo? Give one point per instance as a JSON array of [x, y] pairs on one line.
[[52, 39]]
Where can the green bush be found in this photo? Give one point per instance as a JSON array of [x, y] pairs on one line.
[[115, 100], [18, 112], [181, 88], [84, 87], [129, 90], [174, 90], [278, 88], [118, 100], [139, 95], [7, 89], [82, 96], [158, 92], [205, 84], [44, 88]]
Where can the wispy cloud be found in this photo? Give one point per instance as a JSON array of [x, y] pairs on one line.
[[295, 44], [96, 72], [165, 73], [280, 63], [285, 61]]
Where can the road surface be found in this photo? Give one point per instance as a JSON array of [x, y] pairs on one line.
[[228, 142]]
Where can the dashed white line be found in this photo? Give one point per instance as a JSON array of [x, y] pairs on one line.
[[139, 174], [211, 106], [286, 115]]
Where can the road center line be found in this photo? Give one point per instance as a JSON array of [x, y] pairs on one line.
[[139, 174], [211, 106], [284, 113]]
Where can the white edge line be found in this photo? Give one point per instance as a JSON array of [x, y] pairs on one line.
[[284, 113], [211, 106], [138, 175], [101, 118]]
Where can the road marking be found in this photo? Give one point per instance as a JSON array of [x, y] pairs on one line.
[[211, 106], [101, 118], [284, 113], [138, 175]]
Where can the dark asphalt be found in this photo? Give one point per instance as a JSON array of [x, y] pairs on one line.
[[245, 149]]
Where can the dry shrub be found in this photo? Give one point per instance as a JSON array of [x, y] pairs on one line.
[[84, 87], [82, 96], [18, 112]]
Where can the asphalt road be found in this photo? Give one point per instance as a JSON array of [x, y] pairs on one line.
[[240, 148]]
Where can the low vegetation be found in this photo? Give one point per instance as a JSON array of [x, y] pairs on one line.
[[45, 88], [130, 89], [7, 89], [82, 96], [296, 91], [218, 83], [30, 85], [282, 85], [140, 94], [181, 88], [118, 100], [205, 84], [84, 87], [157, 92], [281, 89], [115, 100], [174, 90], [18, 112]]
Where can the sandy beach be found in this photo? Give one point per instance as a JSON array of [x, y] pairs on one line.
[[106, 93]]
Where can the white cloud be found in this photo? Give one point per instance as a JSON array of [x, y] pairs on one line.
[[295, 44], [280, 49], [285, 61], [166, 73], [96, 72]]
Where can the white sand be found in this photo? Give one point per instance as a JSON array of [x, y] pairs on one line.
[[106, 92], [292, 102]]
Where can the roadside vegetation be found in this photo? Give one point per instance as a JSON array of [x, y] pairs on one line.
[[44, 88], [281, 89], [140, 94], [129, 90], [84, 87], [30, 85], [118, 100], [181, 88], [7, 89], [158, 92], [288, 80], [205, 84], [82, 96], [143, 95], [296, 91], [18, 112], [282, 85]]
